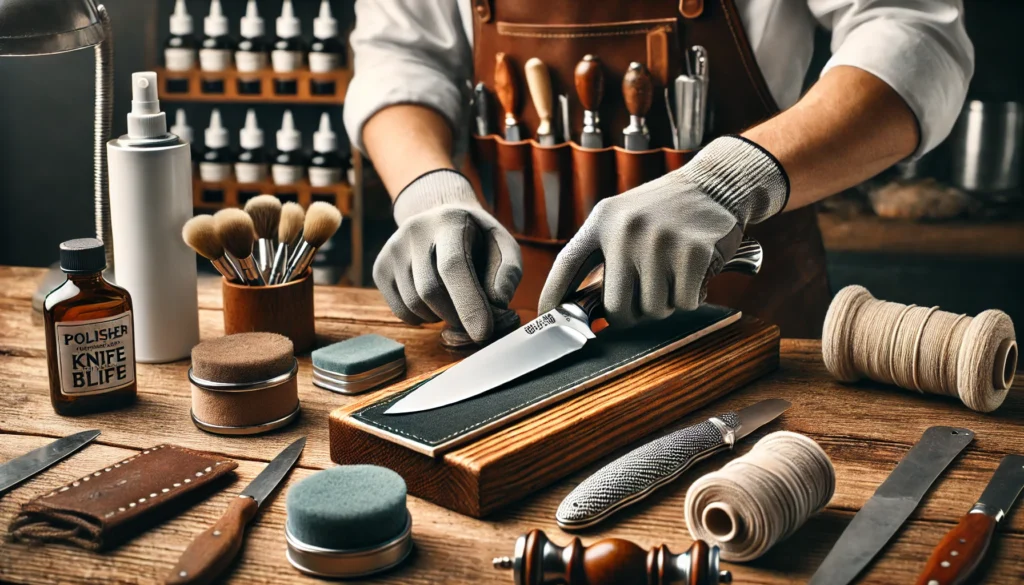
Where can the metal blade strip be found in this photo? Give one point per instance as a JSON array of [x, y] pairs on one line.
[[21, 468]]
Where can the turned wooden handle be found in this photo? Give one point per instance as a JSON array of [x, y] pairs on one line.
[[960, 551], [589, 82], [539, 81], [211, 552], [505, 84], [637, 89]]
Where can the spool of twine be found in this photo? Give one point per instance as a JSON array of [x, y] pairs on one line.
[[761, 498], [920, 348]]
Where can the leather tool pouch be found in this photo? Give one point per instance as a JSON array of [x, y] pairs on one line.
[[112, 504]]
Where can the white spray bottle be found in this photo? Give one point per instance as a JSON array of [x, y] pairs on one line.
[[150, 201]]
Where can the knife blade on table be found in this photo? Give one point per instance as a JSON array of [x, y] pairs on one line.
[[508, 94], [637, 92], [538, 80], [637, 474], [589, 81], [557, 333], [891, 504], [21, 468], [481, 106], [210, 553], [963, 548]]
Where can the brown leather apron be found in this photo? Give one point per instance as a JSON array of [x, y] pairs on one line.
[[791, 290]]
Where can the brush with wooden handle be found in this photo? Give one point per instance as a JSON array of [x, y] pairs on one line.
[[200, 234], [237, 233], [322, 220]]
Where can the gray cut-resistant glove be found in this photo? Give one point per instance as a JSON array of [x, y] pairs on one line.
[[449, 260], [662, 241]]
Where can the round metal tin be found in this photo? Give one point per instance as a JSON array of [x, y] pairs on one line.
[[349, 564], [247, 430], [243, 386]]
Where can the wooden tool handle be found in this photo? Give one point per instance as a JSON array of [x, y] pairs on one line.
[[505, 83], [637, 89], [539, 81], [960, 551], [212, 551], [590, 82]]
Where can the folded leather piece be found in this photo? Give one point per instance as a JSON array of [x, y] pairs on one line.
[[107, 506]]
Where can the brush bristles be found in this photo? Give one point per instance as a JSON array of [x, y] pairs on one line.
[[200, 233], [265, 211], [236, 231], [322, 220], [290, 227]]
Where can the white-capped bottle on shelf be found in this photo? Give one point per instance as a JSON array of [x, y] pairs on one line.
[[251, 166], [252, 52], [217, 49], [216, 164], [326, 52], [326, 165], [289, 52], [289, 164], [182, 130], [180, 49]]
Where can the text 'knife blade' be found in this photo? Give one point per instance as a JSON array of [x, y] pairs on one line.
[[21, 468], [637, 474]]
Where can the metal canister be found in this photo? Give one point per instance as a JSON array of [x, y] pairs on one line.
[[986, 146]]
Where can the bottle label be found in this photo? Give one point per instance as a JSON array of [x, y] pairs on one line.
[[95, 356], [324, 62], [179, 59], [214, 172], [250, 62], [287, 174], [286, 61], [214, 59], [250, 172], [323, 177]]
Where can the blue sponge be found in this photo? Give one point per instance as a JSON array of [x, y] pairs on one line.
[[347, 507], [358, 355]]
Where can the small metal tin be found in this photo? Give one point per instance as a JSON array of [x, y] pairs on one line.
[[248, 430], [256, 406], [349, 564], [357, 383]]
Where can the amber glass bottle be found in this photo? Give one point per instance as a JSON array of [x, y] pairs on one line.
[[90, 342]]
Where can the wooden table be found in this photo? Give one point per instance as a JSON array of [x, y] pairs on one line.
[[865, 429]]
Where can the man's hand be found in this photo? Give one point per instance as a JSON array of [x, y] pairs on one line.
[[449, 260], [664, 240]]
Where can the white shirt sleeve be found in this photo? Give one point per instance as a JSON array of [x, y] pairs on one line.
[[408, 52], [918, 47]]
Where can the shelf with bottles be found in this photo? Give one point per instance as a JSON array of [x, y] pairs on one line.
[[192, 84], [210, 196]]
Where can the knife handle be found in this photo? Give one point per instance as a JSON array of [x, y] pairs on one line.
[[960, 552], [211, 552], [589, 80], [589, 293], [505, 87], [538, 80], [637, 89]]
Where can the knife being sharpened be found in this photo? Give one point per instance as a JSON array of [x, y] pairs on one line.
[[637, 474], [589, 81], [211, 552], [638, 92], [21, 468], [555, 334], [961, 551]]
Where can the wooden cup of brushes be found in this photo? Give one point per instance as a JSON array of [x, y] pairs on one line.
[[264, 254]]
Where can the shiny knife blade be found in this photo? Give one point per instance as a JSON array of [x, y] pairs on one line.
[[552, 199], [274, 472], [637, 474], [21, 468], [1003, 489], [515, 182], [547, 338]]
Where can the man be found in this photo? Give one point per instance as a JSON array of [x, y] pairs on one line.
[[892, 90]]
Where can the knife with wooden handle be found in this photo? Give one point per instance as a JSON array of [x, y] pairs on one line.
[[538, 80], [212, 552], [505, 87], [961, 551], [638, 92], [589, 80]]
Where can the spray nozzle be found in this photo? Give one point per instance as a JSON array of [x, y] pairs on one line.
[[145, 120]]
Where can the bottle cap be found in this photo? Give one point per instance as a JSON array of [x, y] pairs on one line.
[[215, 24], [324, 139], [181, 20], [288, 25], [82, 256], [252, 22], [325, 26], [251, 135], [288, 138], [145, 120], [216, 133], [181, 129]]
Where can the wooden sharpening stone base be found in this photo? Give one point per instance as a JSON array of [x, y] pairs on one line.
[[495, 470]]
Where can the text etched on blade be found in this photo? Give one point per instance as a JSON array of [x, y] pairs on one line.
[[540, 323]]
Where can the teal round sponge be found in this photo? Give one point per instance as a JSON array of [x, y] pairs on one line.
[[347, 507], [358, 354]]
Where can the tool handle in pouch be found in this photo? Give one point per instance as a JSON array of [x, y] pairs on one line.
[[505, 87], [589, 80], [637, 89], [538, 80], [589, 294], [211, 552]]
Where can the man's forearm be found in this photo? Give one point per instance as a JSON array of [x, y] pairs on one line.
[[848, 127], [404, 141]]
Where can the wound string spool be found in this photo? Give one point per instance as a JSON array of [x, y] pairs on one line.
[[920, 348], [761, 498]]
